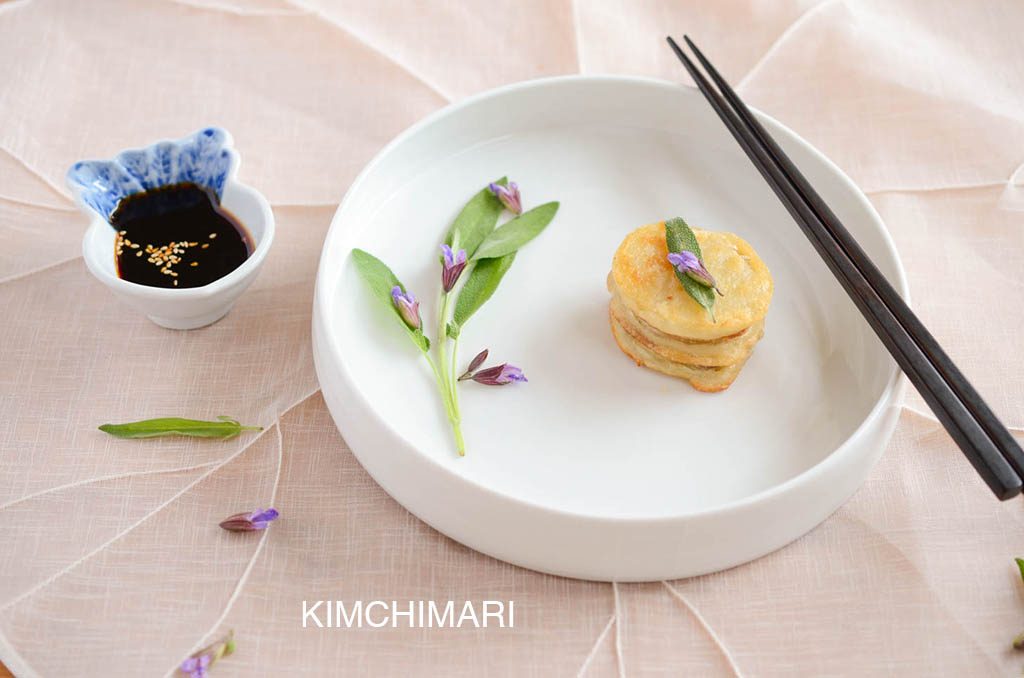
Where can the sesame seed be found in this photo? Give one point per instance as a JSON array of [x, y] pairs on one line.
[[213, 236]]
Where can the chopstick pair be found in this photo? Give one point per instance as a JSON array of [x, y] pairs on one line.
[[984, 440]]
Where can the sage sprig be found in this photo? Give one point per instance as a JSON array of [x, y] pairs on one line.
[[224, 427], [477, 253], [685, 256]]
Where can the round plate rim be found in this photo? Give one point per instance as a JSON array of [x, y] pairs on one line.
[[890, 395]]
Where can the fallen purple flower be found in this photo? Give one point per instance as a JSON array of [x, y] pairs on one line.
[[199, 663], [251, 521], [195, 667], [499, 375]]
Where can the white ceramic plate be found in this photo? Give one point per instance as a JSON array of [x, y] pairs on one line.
[[597, 468]]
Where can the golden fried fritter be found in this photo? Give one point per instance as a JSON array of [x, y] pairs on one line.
[[648, 286], [707, 379]]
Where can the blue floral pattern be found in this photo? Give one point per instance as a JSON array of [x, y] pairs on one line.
[[204, 158]]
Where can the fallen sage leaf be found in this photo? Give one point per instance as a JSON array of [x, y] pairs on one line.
[[224, 427]]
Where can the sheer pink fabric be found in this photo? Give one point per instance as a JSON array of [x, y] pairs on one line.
[[112, 562]]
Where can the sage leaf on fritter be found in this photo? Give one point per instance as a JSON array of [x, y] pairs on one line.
[[680, 238]]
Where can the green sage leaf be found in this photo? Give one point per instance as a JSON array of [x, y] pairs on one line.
[[482, 282], [381, 280], [1020, 566], [224, 427], [680, 237], [1018, 642], [476, 220], [515, 233]]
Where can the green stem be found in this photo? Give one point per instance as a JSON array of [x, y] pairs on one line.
[[444, 376], [454, 373], [440, 386], [460, 444], [442, 335], [453, 377]]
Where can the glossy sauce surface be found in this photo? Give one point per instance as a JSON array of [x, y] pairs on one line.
[[177, 236]]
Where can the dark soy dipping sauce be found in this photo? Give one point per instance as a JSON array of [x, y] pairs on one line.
[[177, 236]]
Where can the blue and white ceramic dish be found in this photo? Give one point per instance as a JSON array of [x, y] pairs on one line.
[[206, 158]]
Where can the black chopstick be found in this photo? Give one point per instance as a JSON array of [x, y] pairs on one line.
[[1000, 435], [984, 440]]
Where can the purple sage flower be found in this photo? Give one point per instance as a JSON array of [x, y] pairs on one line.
[[509, 196], [407, 307], [453, 264], [195, 667], [250, 521], [499, 375], [199, 663], [687, 262]]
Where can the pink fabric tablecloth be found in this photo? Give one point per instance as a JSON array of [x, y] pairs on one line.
[[111, 560]]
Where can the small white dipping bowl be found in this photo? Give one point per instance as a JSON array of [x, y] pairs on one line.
[[100, 184]]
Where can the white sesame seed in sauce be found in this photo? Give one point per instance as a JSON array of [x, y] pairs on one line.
[[146, 220]]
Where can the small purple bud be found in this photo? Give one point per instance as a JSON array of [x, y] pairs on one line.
[[476, 362], [452, 264], [250, 521], [509, 196], [499, 375], [195, 667], [687, 262], [407, 307]]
